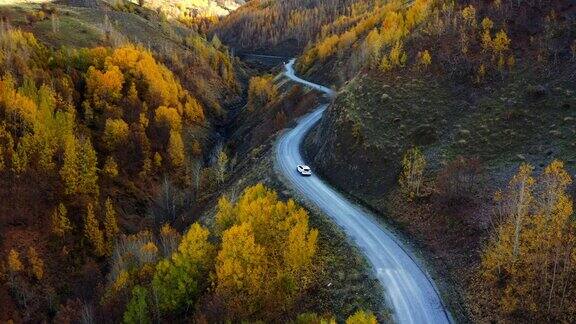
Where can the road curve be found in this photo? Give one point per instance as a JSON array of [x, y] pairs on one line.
[[410, 292]]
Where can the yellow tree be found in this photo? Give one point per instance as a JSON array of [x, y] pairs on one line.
[[362, 317], [373, 45], [528, 263], [157, 160], [36, 263], [110, 168], [116, 133], [193, 111], [398, 56], [60, 222], [469, 16], [88, 169], [487, 25], [412, 176], [110, 225], [555, 235], [168, 118], [222, 166], [69, 172], [240, 270], [93, 233], [279, 235], [14, 263], [79, 168], [424, 58], [501, 42], [261, 91], [500, 45], [225, 215], [104, 87], [179, 280], [518, 202], [176, 149]]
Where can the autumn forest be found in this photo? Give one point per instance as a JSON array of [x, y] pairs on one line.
[[141, 174]]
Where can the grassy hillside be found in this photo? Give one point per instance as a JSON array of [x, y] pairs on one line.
[[479, 88], [193, 8], [100, 24]]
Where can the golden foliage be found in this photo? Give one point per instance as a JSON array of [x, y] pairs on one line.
[[225, 216], [177, 280], [412, 176], [157, 160], [487, 24], [396, 58], [17, 108], [14, 263], [110, 168], [417, 12], [104, 87], [327, 47], [267, 254], [424, 58], [176, 152], [79, 170], [168, 117], [60, 222], [469, 16], [530, 260], [163, 88], [193, 112], [36, 263], [93, 233], [395, 23], [116, 133], [121, 281], [241, 270], [501, 42], [69, 171], [261, 91], [20, 52], [110, 224], [362, 317]]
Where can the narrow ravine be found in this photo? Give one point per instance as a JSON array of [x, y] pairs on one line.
[[411, 293]]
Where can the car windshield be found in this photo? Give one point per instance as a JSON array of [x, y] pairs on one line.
[[306, 168]]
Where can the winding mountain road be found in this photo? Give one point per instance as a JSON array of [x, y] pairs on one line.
[[410, 292]]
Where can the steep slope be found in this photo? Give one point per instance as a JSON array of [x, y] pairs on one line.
[[479, 88], [285, 27], [97, 23], [95, 129], [107, 167], [183, 9]]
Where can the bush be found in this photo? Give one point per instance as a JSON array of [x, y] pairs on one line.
[[459, 181], [137, 309]]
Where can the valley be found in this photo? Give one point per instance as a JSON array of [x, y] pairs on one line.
[[148, 155]]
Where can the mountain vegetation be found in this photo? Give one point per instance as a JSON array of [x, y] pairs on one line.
[[110, 117], [285, 27], [475, 90], [79, 126], [134, 148]]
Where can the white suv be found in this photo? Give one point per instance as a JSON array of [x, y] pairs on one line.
[[304, 170]]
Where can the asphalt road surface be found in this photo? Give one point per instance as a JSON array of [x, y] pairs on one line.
[[409, 290]]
